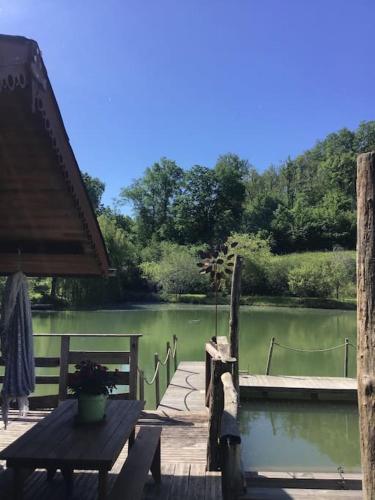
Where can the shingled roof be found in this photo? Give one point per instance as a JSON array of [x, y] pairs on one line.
[[47, 224]]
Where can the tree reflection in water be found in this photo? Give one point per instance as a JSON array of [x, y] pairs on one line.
[[297, 435]]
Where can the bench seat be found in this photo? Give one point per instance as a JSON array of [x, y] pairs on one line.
[[144, 455]]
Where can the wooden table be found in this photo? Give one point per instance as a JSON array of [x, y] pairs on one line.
[[57, 442]]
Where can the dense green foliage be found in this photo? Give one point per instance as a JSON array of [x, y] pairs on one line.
[[295, 225], [307, 203]]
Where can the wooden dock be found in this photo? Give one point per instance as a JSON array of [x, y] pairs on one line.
[[293, 387], [186, 392], [184, 418]]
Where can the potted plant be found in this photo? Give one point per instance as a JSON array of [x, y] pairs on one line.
[[91, 384]]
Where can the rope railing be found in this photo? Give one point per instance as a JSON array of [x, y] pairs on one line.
[[309, 350], [344, 345], [171, 353]]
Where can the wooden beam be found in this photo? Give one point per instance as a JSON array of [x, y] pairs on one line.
[[234, 317], [366, 317]]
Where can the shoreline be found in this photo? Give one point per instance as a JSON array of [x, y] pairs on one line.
[[200, 299]]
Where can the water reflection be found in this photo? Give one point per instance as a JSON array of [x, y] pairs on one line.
[[298, 436]]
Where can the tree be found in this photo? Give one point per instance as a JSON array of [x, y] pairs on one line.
[[153, 196], [341, 270], [231, 173], [95, 189], [256, 255], [196, 208]]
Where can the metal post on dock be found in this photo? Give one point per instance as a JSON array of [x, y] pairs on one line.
[[346, 360], [175, 351], [157, 381], [169, 353], [270, 351]]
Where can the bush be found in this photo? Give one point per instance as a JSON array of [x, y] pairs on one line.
[[277, 276], [176, 272], [310, 280], [257, 256]]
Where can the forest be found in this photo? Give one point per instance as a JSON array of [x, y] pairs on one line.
[[295, 224]]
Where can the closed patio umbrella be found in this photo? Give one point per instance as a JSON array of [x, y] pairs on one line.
[[16, 336]]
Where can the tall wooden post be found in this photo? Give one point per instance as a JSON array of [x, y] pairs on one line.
[[234, 318], [366, 317]]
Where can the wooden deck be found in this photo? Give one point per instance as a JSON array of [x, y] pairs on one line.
[[288, 387], [183, 455], [186, 392], [183, 416]]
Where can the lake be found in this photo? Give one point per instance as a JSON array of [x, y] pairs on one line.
[[318, 437], [298, 328]]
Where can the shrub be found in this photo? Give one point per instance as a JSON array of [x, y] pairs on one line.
[[257, 256], [176, 272], [310, 280]]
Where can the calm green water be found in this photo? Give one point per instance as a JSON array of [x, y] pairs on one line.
[[298, 436], [305, 328], [314, 437]]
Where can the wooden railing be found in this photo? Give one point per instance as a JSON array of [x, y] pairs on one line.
[[224, 440], [70, 357]]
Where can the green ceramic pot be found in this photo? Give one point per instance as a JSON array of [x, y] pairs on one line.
[[91, 407]]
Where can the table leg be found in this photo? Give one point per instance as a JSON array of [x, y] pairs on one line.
[[156, 465], [102, 484], [68, 478], [131, 438], [51, 472], [18, 483]]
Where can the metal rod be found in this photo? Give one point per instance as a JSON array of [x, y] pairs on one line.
[[168, 363], [346, 360], [157, 380], [270, 356]]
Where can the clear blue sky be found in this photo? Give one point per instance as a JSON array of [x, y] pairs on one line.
[[192, 79]]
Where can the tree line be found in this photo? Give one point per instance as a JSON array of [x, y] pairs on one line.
[[306, 204]]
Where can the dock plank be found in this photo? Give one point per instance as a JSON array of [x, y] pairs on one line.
[[186, 392], [325, 388]]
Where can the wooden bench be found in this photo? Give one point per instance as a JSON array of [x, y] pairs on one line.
[[144, 455]]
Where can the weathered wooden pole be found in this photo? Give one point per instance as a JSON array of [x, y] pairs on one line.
[[346, 358], [366, 317], [169, 354], [175, 351], [235, 296], [269, 359], [157, 379], [216, 406]]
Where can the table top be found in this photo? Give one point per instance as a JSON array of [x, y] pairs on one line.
[[57, 441]]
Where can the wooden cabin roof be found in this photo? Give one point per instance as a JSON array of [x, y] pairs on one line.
[[47, 223]]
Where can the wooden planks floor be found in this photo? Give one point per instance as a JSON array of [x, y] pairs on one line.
[[186, 392], [183, 416], [183, 456], [325, 388]]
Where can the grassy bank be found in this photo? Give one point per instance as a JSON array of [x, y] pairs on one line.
[[251, 300]]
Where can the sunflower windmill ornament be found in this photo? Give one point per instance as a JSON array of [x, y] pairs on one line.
[[217, 263]]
